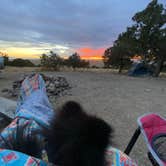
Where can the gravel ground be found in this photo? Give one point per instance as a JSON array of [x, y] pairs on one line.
[[118, 99]]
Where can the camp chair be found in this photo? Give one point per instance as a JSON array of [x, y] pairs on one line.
[[153, 128]]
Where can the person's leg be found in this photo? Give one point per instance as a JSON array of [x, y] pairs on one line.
[[29, 85], [33, 101], [33, 112]]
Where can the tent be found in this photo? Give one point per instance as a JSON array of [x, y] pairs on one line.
[[139, 69]]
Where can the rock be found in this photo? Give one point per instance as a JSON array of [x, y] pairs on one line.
[[55, 86]]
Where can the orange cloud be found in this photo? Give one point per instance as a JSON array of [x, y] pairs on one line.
[[90, 53]]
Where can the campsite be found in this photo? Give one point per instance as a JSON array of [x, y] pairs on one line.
[[118, 99], [83, 83]]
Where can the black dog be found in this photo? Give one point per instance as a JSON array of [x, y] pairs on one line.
[[74, 138]]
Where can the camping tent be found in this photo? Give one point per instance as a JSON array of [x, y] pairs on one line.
[[139, 69]]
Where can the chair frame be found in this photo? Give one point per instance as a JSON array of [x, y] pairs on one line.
[[131, 144]]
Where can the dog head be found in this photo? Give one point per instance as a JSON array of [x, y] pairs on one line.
[[77, 138]]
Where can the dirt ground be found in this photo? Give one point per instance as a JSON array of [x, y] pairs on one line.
[[119, 99]]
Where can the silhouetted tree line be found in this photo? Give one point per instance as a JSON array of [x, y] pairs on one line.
[[49, 61], [146, 38], [54, 61], [17, 62]]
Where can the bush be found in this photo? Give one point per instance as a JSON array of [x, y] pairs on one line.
[[21, 63], [51, 61]]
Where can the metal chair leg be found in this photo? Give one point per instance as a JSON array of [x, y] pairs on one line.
[[132, 141], [152, 160]]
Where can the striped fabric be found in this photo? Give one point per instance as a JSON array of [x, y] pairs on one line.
[[115, 157], [14, 158]]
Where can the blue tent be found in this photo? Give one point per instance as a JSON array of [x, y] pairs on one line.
[[139, 69]]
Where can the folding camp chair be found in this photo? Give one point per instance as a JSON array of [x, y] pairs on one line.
[[153, 128]]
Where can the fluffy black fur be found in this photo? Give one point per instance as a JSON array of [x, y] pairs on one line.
[[76, 138]]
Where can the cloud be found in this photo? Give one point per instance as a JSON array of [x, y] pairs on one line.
[[32, 50], [69, 23], [91, 53]]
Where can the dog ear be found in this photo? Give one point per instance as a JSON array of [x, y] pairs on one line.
[[65, 118], [70, 109]]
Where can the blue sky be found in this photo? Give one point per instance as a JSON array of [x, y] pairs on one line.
[[64, 25]]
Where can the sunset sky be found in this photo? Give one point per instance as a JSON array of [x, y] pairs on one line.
[[29, 28]]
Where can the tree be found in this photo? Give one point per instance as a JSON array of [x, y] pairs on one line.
[[51, 61], [75, 61], [122, 50], [151, 33], [107, 57], [44, 61], [147, 38], [21, 63]]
